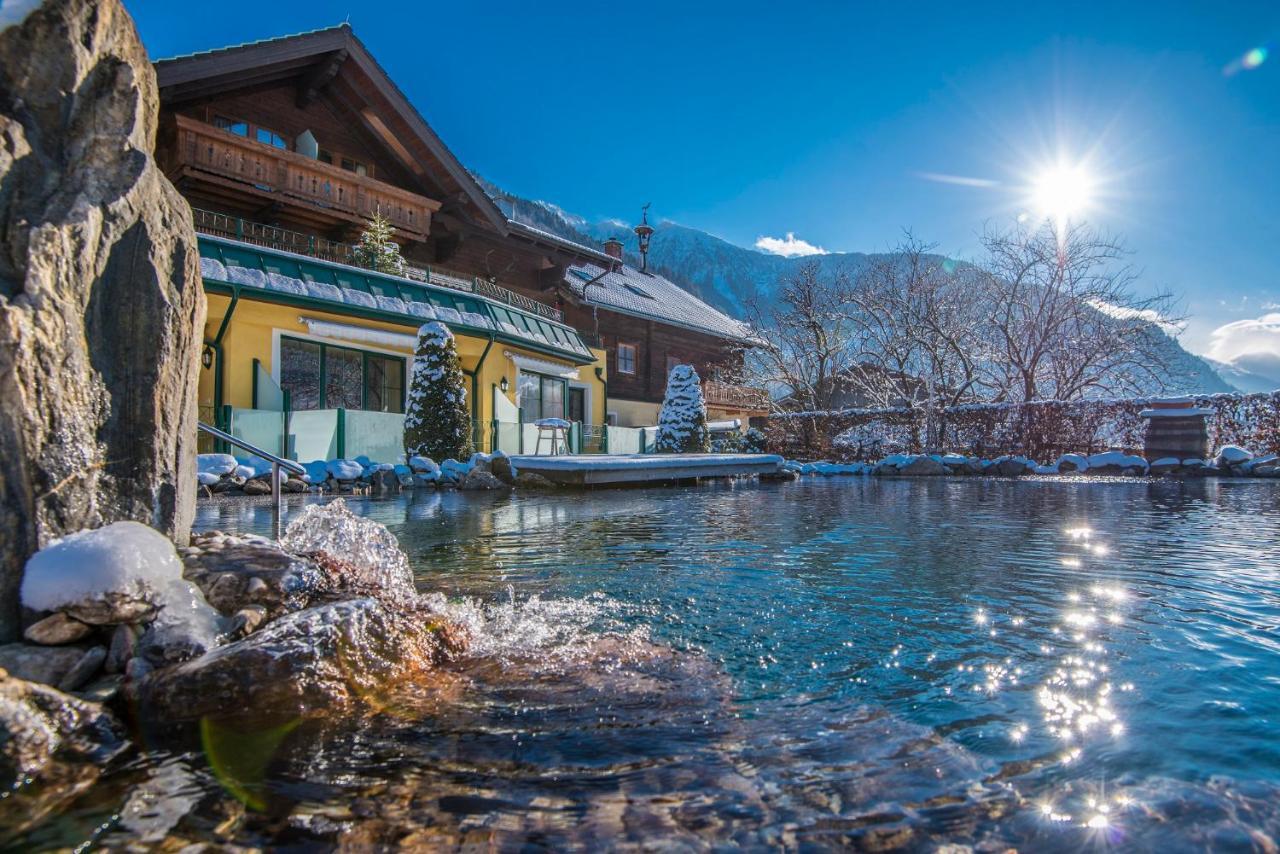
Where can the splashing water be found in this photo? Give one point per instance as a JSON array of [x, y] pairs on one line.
[[373, 551]]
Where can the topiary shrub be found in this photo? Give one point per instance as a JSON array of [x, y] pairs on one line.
[[682, 424], [436, 421]]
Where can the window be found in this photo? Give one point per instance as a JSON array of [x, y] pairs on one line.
[[626, 358], [323, 376], [236, 126], [272, 138], [349, 163], [540, 397]]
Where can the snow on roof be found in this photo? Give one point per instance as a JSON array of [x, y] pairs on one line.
[[653, 297]]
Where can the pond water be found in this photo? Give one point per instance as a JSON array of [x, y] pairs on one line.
[[867, 662]]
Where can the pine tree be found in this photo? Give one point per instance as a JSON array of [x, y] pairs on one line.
[[436, 421], [376, 249], [682, 424]]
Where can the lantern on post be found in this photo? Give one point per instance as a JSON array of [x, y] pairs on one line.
[[643, 232]]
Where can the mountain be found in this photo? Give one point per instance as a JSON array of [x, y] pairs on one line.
[[1252, 372], [728, 276]]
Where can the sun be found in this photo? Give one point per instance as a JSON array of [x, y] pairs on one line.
[[1062, 193]]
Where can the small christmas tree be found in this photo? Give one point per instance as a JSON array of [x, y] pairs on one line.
[[436, 421], [376, 250], [682, 424]]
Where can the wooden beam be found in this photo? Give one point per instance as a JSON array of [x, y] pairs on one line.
[[319, 78]]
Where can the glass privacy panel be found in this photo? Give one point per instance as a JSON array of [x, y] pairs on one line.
[[552, 398], [384, 383], [344, 378], [300, 373]]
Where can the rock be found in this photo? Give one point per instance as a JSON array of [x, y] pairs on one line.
[[478, 479], [781, 475], [1014, 467], [1231, 455], [257, 486], [44, 664], [1265, 471], [204, 492], [318, 661], [103, 689], [423, 465], [116, 574], [293, 484], [40, 725], [237, 572], [533, 480], [922, 467], [245, 621], [57, 629], [101, 302], [124, 642], [500, 466], [384, 480], [215, 465], [84, 669]]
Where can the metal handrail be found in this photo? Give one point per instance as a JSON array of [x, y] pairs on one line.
[[276, 464]]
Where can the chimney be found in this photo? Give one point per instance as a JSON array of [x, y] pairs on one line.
[[613, 248]]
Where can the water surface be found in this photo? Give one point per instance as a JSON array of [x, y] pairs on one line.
[[883, 663]]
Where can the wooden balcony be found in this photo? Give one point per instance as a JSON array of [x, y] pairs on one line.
[[211, 154], [726, 396]]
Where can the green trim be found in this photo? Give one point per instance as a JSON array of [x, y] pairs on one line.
[[219, 369], [253, 398], [342, 433]]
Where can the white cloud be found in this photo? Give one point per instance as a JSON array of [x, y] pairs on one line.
[[958, 180], [1245, 337], [1150, 315], [789, 246]]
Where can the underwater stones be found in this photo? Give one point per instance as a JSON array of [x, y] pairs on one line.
[[39, 725], [111, 575], [307, 663], [57, 629]]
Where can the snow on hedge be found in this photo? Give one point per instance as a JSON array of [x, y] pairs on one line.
[[682, 423]]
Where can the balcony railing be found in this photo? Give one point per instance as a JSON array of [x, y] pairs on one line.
[[205, 148], [273, 237], [735, 396]]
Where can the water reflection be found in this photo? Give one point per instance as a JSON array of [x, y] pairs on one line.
[[1109, 651]]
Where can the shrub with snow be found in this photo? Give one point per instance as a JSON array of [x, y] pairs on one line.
[[753, 441], [436, 422], [682, 424]]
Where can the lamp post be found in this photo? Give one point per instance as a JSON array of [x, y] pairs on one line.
[[643, 232]]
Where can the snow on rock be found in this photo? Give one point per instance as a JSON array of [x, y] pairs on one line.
[[425, 465], [1233, 455], [1167, 461], [954, 460], [1047, 469], [1072, 462], [344, 469], [245, 472], [218, 464], [1118, 459], [377, 563], [317, 471], [117, 574], [453, 470], [207, 478]]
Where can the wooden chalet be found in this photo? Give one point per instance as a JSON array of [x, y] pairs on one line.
[[285, 148]]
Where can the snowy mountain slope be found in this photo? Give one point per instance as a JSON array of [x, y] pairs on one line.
[[728, 276], [1252, 372]]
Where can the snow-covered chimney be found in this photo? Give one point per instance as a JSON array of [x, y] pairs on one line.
[[613, 248]]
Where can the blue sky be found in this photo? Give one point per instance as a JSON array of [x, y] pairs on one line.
[[834, 121]]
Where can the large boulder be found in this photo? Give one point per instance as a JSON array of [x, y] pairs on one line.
[[318, 661], [237, 572], [101, 303], [923, 467]]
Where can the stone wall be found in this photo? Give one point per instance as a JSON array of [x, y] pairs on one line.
[[101, 303]]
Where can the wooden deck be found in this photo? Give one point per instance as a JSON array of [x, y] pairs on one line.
[[617, 469]]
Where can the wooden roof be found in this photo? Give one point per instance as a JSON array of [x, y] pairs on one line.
[[335, 62]]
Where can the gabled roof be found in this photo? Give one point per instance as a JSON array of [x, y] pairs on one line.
[[197, 74], [627, 290]]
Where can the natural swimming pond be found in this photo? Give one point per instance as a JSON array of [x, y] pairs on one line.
[[852, 661]]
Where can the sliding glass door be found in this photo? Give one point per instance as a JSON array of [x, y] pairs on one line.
[[540, 397]]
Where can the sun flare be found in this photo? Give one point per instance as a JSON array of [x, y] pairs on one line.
[[1062, 193]]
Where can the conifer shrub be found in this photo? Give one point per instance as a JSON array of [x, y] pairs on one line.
[[437, 423]]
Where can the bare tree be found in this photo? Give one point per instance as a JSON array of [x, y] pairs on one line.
[[1064, 320]]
